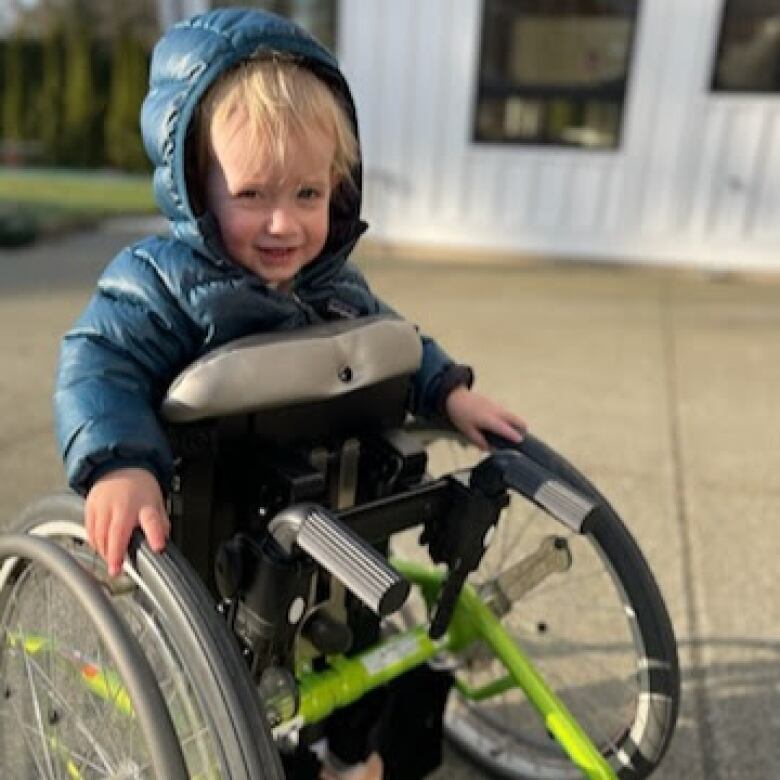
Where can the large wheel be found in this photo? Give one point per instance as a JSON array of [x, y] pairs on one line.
[[48, 688], [206, 685], [598, 633]]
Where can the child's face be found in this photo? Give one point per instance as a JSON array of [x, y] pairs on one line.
[[273, 222]]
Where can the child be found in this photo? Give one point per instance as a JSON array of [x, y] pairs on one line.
[[251, 129]]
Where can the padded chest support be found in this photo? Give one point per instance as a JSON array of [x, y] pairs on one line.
[[281, 369]]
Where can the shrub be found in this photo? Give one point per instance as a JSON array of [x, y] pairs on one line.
[[17, 227]]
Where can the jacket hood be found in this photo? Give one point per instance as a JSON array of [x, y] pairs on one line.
[[185, 62]]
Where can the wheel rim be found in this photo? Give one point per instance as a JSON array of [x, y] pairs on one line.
[[598, 680], [578, 629], [121, 752]]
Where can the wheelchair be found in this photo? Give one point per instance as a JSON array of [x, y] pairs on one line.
[[336, 570]]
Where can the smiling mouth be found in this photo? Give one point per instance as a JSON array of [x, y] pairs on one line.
[[277, 253]]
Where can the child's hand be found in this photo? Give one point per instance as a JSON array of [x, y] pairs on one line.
[[116, 504], [473, 413]]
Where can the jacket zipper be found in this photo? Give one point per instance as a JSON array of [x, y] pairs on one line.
[[309, 311]]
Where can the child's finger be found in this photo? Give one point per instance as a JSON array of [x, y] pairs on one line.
[[116, 543], [89, 524], [475, 436], [501, 427], [100, 527], [155, 525], [509, 430], [518, 422]]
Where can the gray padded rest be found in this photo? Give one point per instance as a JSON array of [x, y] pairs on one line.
[[274, 370]]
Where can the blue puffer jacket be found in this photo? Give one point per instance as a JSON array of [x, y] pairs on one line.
[[164, 301]]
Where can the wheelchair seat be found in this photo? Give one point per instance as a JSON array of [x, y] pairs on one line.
[[271, 371]]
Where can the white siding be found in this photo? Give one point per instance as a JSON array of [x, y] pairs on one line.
[[763, 221], [172, 11], [696, 179]]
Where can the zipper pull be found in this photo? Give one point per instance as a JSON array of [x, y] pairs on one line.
[[309, 311]]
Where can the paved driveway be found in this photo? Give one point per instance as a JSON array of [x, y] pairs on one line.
[[662, 386]]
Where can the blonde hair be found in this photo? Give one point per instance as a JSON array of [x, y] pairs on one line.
[[280, 99]]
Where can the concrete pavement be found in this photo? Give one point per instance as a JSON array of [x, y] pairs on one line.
[[661, 385]]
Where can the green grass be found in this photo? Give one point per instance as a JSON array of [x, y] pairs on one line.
[[57, 198], [84, 191]]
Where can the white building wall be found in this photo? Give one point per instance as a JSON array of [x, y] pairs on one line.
[[696, 179]]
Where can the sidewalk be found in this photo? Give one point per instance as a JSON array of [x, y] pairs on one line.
[[664, 387], [661, 385]]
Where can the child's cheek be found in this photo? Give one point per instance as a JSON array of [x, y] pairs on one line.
[[240, 227]]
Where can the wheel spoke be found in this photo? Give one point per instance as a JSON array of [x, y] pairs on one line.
[[79, 723], [92, 734], [37, 710], [29, 739], [77, 758], [580, 629]]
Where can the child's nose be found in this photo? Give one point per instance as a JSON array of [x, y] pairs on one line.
[[280, 220]]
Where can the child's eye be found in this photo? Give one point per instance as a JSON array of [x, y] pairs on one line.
[[309, 193], [247, 194]]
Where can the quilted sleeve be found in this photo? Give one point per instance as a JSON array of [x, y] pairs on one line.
[[114, 366]]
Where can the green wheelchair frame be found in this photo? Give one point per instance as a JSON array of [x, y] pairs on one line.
[[474, 618], [254, 627]]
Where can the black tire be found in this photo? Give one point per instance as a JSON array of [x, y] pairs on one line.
[[210, 694], [599, 634]]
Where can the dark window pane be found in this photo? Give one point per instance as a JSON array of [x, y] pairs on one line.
[[554, 71], [316, 16], [749, 48]]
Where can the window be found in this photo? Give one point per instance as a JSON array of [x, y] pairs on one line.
[[748, 58], [554, 71], [317, 17]]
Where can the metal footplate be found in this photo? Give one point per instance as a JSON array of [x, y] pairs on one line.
[[343, 553]]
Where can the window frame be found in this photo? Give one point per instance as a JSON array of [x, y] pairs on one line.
[[280, 7], [720, 91], [551, 93]]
